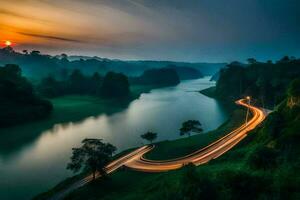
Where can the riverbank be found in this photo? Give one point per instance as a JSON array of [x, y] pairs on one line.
[[71, 108], [210, 92], [121, 181]]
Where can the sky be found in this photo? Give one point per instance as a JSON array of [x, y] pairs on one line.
[[178, 30]]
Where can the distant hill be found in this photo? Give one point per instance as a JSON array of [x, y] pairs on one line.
[[36, 65], [161, 77], [186, 73]]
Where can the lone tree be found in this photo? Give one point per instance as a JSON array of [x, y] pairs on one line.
[[150, 136], [190, 126], [93, 155]]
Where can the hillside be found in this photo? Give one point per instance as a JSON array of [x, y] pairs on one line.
[[186, 73], [265, 82], [36, 65]]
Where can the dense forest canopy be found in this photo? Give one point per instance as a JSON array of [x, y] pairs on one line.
[[112, 85], [18, 101], [266, 82], [186, 73]]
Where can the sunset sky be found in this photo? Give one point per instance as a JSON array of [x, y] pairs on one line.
[[194, 30]]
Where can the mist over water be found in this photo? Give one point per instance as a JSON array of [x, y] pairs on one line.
[[42, 164]]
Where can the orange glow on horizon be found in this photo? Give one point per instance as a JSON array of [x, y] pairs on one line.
[[8, 43]]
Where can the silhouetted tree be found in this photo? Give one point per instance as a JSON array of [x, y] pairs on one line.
[[190, 126], [35, 53], [93, 155], [19, 103], [25, 52], [252, 60], [150, 136], [115, 85]]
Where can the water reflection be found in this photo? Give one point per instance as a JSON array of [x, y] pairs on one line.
[[42, 164]]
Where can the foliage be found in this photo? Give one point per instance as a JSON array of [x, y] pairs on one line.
[[266, 82], [190, 126], [294, 88], [115, 85], [19, 102], [93, 156], [263, 158], [150, 136], [112, 85], [194, 187], [186, 73]]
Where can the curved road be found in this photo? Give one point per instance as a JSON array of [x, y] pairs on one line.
[[136, 161], [205, 154]]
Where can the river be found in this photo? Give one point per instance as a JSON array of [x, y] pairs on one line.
[[40, 165]]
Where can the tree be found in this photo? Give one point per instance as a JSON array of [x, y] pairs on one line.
[[93, 155], [115, 85], [252, 61], [150, 136], [35, 53], [25, 52], [190, 126], [294, 88], [263, 158], [18, 98]]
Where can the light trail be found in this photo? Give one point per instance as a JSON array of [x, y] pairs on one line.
[[205, 154]]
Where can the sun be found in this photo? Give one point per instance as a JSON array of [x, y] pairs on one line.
[[7, 43]]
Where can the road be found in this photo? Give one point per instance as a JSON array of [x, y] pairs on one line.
[[136, 161], [205, 154]]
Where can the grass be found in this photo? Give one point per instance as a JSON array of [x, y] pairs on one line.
[[69, 181]]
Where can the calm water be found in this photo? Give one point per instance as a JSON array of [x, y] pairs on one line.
[[41, 165]]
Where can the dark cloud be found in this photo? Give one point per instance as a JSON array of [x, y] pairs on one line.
[[50, 37]]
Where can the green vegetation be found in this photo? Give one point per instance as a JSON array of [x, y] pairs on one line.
[[92, 156], [150, 136], [190, 126], [19, 103], [265, 82], [115, 85], [112, 85], [186, 73]]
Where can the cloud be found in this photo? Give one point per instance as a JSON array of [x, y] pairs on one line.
[[15, 14], [50, 37]]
